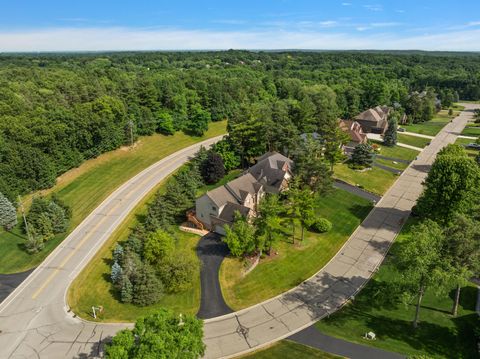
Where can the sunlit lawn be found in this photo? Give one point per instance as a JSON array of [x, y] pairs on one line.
[[439, 335], [433, 126], [85, 187], [289, 349], [419, 142], [294, 263], [471, 130]]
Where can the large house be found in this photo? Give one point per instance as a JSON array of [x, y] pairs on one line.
[[216, 208], [355, 132], [374, 120]]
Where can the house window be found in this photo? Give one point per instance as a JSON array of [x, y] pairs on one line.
[[214, 208], [201, 215]]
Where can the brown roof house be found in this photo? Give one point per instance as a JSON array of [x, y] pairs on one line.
[[354, 130], [216, 208], [374, 120]]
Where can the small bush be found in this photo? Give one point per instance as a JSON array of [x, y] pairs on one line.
[[322, 225]]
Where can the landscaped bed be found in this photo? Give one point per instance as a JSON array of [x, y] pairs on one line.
[[438, 335], [294, 263], [85, 187]]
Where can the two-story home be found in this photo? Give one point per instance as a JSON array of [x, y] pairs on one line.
[[216, 208], [374, 120]]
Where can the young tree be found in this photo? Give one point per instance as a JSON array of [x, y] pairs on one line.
[[165, 123], [240, 237], [226, 149], [212, 168], [333, 144], [162, 334], [116, 273], [362, 155], [463, 252], [8, 215], [306, 201], [294, 212], [268, 222], [177, 271], [419, 259], [390, 137]]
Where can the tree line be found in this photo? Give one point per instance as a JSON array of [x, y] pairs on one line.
[[58, 110]]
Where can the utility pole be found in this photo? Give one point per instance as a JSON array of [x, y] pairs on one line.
[[24, 217]]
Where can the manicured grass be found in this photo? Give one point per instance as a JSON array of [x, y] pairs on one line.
[[439, 334], [85, 187], [294, 263], [289, 349], [396, 152], [471, 130], [433, 126], [466, 141], [375, 180], [419, 142]]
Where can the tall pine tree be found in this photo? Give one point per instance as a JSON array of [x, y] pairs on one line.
[[8, 215]]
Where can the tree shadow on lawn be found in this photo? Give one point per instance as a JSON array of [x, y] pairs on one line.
[[360, 211]]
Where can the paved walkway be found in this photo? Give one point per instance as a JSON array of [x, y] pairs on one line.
[[417, 135], [467, 137], [343, 277], [211, 251], [313, 338]]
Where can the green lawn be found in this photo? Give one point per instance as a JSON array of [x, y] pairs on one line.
[[471, 130], [85, 187], [396, 152], [466, 141], [439, 335], [294, 263], [413, 140], [375, 180], [93, 284], [289, 349], [433, 126]]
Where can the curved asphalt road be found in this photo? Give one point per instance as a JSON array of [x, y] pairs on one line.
[[34, 319]]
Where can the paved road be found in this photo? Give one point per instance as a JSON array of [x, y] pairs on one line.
[[356, 191], [34, 321], [211, 251], [312, 337], [345, 275], [8, 282]]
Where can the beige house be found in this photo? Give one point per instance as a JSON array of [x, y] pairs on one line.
[[216, 208], [374, 120]]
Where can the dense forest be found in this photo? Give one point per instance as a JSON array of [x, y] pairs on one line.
[[56, 110]]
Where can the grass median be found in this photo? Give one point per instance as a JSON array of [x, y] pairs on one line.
[[289, 349], [85, 187], [294, 263]]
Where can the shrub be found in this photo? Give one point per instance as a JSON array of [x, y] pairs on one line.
[[177, 271], [322, 225]]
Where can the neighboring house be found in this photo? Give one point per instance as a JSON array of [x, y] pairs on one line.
[[374, 120], [216, 208], [354, 130]]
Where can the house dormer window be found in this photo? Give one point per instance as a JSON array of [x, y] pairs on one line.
[[214, 208]]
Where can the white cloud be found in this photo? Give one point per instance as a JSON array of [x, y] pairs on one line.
[[229, 22], [473, 23], [375, 8], [98, 39], [346, 3]]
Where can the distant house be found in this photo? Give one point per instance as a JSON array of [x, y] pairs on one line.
[[374, 120], [354, 130], [216, 208]]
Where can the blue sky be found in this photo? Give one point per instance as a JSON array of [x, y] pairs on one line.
[[32, 25]]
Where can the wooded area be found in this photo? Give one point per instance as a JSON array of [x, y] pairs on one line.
[[57, 110]]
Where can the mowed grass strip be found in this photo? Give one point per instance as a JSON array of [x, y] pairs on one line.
[[289, 349], [419, 142], [85, 187], [395, 152], [471, 130], [294, 263], [375, 180], [465, 141], [439, 335]]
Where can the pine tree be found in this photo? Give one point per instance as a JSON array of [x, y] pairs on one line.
[[116, 273], [148, 288], [126, 293], [390, 137], [8, 215], [362, 155], [118, 253]]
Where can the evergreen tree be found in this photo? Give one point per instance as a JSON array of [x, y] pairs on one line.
[[390, 137], [126, 292], [362, 155], [8, 215], [147, 288], [212, 168], [116, 273]]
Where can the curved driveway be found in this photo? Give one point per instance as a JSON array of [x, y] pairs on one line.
[[35, 323], [34, 320]]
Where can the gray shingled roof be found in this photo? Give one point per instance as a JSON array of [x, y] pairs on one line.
[[228, 212], [268, 169], [242, 186], [220, 196]]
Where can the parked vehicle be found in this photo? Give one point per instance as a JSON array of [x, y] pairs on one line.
[[401, 129]]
